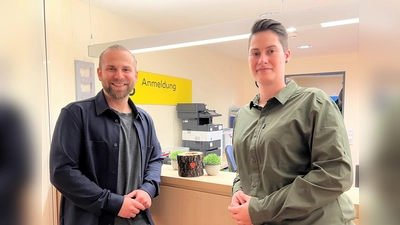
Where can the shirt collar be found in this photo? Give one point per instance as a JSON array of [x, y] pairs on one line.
[[255, 102], [286, 92], [102, 105], [282, 96]]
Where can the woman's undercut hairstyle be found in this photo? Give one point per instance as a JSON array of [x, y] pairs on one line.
[[272, 25]]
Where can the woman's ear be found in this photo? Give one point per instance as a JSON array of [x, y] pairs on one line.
[[287, 56]]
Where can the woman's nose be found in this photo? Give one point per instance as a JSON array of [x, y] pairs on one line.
[[263, 59]]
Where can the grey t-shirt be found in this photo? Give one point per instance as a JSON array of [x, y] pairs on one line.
[[129, 166]]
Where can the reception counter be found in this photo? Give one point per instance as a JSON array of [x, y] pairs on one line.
[[199, 200], [196, 200]]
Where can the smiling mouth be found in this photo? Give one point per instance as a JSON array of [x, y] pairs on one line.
[[264, 69], [118, 85]]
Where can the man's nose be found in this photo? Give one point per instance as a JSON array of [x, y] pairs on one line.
[[118, 74]]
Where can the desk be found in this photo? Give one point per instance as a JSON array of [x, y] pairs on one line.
[[199, 200], [195, 200]]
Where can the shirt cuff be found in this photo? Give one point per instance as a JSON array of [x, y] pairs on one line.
[[256, 212], [149, 188], [236, 187], [114, 203]]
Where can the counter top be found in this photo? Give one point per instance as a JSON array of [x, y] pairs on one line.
[[194, 194], [220, 184]]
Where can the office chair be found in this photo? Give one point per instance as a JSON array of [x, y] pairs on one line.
[[230, 158]]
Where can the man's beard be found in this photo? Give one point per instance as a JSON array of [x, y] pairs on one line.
[[117, 94]]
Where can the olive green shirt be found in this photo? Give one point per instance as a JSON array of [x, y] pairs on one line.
[[293, 157]]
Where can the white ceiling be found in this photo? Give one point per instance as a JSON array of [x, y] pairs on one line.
[[305, 15]]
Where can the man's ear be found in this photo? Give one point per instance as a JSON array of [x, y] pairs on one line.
[[99, 73]]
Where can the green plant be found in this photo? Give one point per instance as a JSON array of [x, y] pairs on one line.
[[212, 159], [174, 154]]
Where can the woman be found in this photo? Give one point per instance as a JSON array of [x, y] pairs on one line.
[[290, 145]]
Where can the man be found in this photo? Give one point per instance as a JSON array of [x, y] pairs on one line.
[[105, 157]]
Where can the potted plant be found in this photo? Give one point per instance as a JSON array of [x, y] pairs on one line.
[[212, 164], [174, 157]]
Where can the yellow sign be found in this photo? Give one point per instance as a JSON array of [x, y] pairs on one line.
[[158, 89]]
